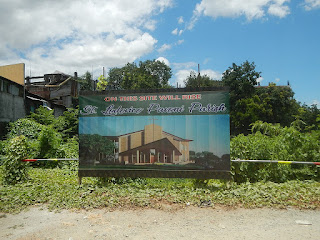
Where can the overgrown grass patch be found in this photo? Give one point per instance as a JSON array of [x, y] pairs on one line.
[[58, 189]]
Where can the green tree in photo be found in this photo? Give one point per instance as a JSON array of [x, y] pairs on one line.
[[91, 145]]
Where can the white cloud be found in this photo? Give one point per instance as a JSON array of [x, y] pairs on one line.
[[251, 9], [180, 42], [75, 35], [183, 71], [316, 102], [260, 79], [180, 20], [212, 74], [164, 48], [185, 65], [162, 59], [277, 80], [181, 76], [311, 4], [175, 31]]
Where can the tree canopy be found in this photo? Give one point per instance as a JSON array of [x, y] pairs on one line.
[[150, 74], [194, 81]]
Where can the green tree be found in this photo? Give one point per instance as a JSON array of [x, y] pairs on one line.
[[307, 118], [147, 75], [248, 111], [194, 81], [91, 145], [241, 81], [102, 83], [281, 101], [86, 82], [43, 116]]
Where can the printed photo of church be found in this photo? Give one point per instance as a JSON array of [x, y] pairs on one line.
[[151, 145]]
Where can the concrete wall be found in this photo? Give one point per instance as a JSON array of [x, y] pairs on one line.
[[11, 107]]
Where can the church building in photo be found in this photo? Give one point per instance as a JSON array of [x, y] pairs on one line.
[[152, 145]]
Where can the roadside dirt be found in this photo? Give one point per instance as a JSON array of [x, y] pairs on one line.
[[167, 223]]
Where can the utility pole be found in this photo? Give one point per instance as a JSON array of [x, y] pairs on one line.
[[198, 78]]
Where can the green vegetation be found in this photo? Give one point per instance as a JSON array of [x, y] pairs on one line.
[[14, 170], [58, 189], [273, 142], [146, 75]]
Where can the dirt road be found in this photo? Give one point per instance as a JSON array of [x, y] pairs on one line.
[[167, 223]]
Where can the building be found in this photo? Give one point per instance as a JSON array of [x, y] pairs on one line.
[[151, 145], [57, 87], [11, 103]]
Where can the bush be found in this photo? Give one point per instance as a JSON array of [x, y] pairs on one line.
[[14, 170], [271, 142]]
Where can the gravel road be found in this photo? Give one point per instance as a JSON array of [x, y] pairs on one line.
[[166, 223]]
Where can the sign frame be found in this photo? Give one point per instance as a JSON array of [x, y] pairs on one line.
[[176, 93]]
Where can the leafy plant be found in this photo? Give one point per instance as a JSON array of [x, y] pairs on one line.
[[59, 189], [14, 170], [272, 142]]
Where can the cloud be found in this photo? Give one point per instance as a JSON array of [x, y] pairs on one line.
[[260, 79], [175, 31], [180, 20], [180, 42], [316, 102], [212, 74], [277, 80], [74, 35], [162, 59], [254, 9], [180, 76], [311, 4], [185, 65], [183, 70], [164, 48]]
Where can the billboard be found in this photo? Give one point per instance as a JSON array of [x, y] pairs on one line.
[[160, 133]]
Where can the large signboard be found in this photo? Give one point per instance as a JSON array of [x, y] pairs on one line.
[[168, 133]]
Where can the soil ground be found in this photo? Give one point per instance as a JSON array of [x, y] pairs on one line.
[[166, 223]]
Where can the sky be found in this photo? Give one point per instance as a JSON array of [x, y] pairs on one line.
[[207, 132], [281, 37]]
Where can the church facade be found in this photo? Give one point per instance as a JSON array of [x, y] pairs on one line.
[[152, 145]]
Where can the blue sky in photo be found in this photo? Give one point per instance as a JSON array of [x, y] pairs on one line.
[[208, 132], [280, 36]]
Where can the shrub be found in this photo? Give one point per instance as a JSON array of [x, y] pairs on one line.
[[271, 142], [14, 170]]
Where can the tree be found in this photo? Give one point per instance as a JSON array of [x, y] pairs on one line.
[[147, 75], [194, 81], [280, 100], [308, 118], [86, 82], [102, 83], [250, 110], [241, 80], [91, 145]]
